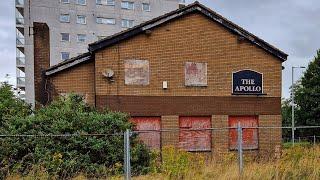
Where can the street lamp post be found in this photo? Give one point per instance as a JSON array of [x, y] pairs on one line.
[[292, 106]]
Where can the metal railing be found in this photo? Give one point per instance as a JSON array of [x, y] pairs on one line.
[[19, 20], [22, 96], [20, 41], [21, 81], [21, 61], [20, 2]]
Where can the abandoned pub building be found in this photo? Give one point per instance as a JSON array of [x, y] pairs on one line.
[[188, 69]]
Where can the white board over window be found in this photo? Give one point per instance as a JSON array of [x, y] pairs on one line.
[[136, 72], [195, 74]]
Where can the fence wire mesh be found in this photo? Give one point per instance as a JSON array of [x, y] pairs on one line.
[[210, 145]]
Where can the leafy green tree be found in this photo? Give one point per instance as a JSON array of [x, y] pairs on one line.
[[10, 105], [64, 157], [286, 117], [307, 96]]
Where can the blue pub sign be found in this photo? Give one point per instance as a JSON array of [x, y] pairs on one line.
[[247, 82]]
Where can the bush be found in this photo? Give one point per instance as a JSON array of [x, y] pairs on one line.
[[64, 157], [177, 163], [11, 106]]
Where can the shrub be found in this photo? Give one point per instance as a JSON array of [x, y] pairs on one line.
[[177, 163], [64, 157], [11, 106]]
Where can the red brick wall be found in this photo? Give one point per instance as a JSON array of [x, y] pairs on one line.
[[192, 38], [79, 80], [41, 60]]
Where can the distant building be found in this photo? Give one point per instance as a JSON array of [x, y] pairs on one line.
[[188, 69], [73, 24]]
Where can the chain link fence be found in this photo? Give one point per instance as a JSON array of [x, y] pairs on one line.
[[236, 143]]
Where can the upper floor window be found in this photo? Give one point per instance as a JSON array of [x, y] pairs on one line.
[[126, 23], [65, 1], [146, 7], [101, 20], [81, 19], [105, 2], [82, 37], [64, 18], [82, 2], [65, 55], [127, 5], [101, 37], [65, 37]]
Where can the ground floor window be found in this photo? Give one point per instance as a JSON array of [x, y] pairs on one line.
[[192, 134], [151, 126], [250, 135]]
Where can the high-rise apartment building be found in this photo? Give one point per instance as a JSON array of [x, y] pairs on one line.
[[73, 25]]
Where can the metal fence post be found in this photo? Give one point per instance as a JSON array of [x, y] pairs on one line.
[[314, 140], [126, 165], [240, 149]]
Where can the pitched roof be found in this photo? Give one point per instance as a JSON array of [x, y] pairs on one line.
[[194, 7], [69, 63], [143, 27]]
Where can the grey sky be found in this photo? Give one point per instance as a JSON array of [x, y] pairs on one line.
[[290, 25]]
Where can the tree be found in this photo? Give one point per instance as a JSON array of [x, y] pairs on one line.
[[286, 117], [307, 95], [67, 156], [10, 105]]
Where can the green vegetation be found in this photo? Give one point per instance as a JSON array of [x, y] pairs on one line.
[[10, 106], [64, 157], [295, 163], [307, 98]]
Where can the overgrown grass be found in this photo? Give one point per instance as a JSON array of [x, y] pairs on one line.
[[300, 162], [303, 143]]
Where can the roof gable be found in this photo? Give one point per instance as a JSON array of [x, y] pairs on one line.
[[192, 8], [195, 7]]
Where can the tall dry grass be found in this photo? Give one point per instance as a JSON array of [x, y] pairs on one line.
[[296, 163]]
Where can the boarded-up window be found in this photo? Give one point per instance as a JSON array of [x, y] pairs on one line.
[[150, 130], [136, 72], [195, 74], [192, 134], [249, 135]]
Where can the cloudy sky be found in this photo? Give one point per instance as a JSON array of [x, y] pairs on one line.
[[291, 25]]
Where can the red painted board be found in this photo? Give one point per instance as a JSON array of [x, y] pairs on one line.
[[198, 140], [151, 139], [249, 136]]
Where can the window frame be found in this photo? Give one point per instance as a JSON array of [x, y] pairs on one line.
[[106, 3], [148, 10], [125, 5], [128, 23], [66, 15], [62, 2], [62, 40], [101, 37], [233, 130], [190, 130], [62, 53], [106, 21], [83, 35], [85, 3], [152, 139], [85, 19]]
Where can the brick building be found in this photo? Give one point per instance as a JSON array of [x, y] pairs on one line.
[[190, 68]]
